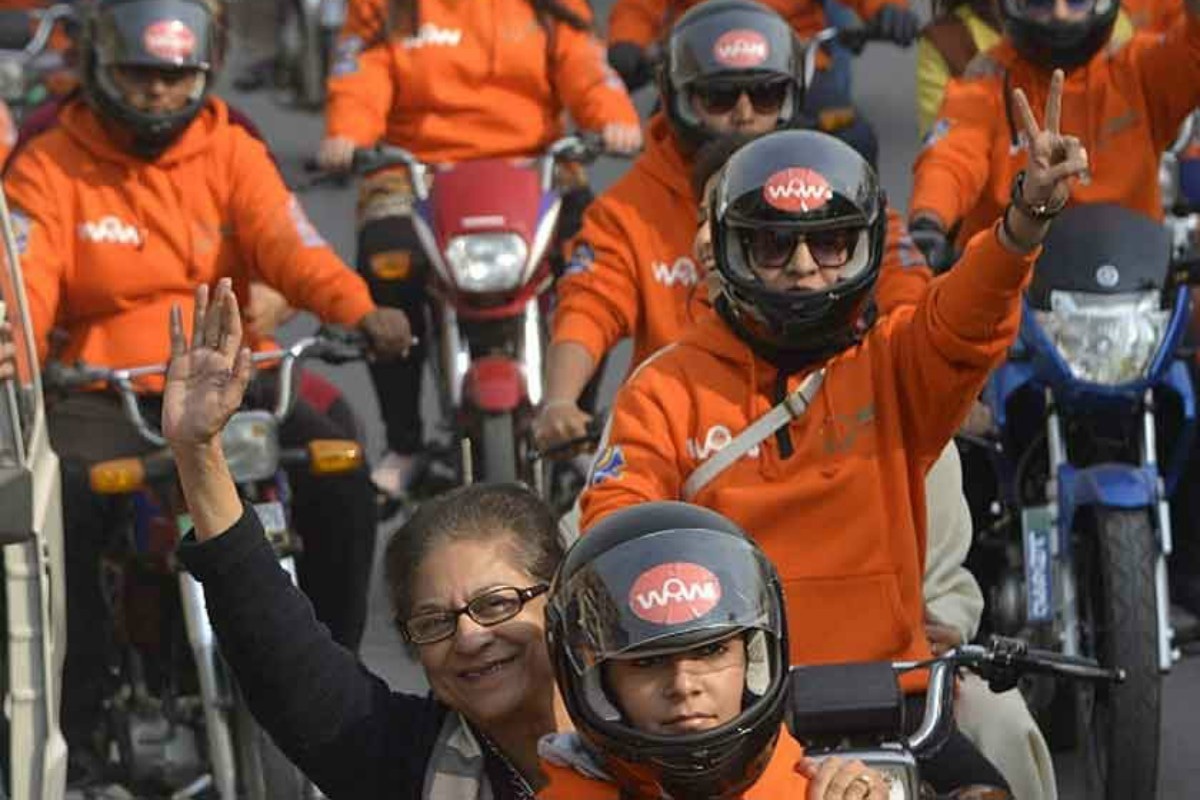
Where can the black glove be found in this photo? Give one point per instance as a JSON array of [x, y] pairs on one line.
[[630, 62], [933, 243], [897, 23]]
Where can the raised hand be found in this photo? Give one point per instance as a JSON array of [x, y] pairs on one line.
[[1056, 160], [206, 378]]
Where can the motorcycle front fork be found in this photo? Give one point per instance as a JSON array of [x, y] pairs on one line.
[[1064, 572]]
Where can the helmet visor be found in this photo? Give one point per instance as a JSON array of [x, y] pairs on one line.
[[664, 593], [843, 252], [155, 33], [1048, 10]]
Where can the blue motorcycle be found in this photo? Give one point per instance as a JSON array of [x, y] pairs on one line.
[[1094, 417]]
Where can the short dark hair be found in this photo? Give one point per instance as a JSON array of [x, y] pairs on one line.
[[480, 512]]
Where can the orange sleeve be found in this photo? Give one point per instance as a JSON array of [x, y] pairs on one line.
[[598, 296], [636, 461], [952, 169], [41, 242], [1168, 68], [959, 331], [280, 244], [359, 90], [590, 89], [637, 21], [904, 275], [866, 9]]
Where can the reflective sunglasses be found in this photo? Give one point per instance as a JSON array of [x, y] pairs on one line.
[[721, 98], [774, 248], [487, 609]]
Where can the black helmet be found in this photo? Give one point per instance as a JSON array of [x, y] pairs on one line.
[[728, 42], [172, 34], [806, 182], [657, 579], [1052, 43]]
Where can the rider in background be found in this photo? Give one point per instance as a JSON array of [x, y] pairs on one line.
[[631, 270], [961, 29], [1127, 102], [143, 189], [453, 82], [635, 26], [675, 694]]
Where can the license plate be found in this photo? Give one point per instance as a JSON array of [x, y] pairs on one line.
[[274, 522], [1038, 529]]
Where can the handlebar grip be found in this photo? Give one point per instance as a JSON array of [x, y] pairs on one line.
[[855, 38], [1071, 666]]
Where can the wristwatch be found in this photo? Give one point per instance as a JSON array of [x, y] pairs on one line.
[[1040, 212]]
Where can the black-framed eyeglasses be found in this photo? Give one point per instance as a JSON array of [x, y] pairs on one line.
[[773, 248], [490, 608], [720, 98]]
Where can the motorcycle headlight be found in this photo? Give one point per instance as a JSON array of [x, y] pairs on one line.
[[1105, 339], [487, 262], [251, 444]]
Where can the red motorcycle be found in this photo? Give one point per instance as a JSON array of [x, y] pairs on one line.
[[487, 227]]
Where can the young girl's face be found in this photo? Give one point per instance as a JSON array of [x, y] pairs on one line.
[[685, 692]]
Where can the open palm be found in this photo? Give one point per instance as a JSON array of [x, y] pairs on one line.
[[207, 377]]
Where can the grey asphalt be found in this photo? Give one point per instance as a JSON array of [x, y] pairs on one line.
[[884, 88]]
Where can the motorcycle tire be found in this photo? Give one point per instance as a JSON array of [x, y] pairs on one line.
[[496, 450], [264, 772], [1119, 723]]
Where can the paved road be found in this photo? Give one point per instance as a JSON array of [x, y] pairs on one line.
[[883, 81]]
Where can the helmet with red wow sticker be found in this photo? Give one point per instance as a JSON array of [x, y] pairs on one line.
[[652, 582], [786, 191]]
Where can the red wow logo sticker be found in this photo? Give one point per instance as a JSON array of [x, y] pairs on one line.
[[741, 48], [673, 593], [797, 189], [170, 40]]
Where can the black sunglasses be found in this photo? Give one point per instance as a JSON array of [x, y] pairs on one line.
[[721, 98], [490, 608], [773, 248]]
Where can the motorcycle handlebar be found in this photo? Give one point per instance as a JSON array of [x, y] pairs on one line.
[[1000, 663], [334, 346], [854, 38], [18, 34]]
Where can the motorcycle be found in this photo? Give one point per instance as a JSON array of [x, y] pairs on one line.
[[33, 763], [487, 227], [856, 711], [176, 724], [1094, 414], [32, 69]]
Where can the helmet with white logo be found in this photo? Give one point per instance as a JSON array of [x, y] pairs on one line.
[[733, 42], [164, 34], [655, 580], [805, 183], [1049, 42]]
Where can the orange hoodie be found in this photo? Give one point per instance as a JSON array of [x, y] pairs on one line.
[[632, 272], [780, 780], [479, 79], [1153, 15], [644, 21], [836, 499], [110, 242], [1125, 105]]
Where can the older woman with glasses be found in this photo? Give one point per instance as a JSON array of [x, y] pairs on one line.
[[467, 574]]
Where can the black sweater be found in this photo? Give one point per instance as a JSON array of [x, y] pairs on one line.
[[341, 724]]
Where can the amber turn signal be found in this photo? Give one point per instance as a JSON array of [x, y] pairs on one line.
[[334, 456], [118, 476]]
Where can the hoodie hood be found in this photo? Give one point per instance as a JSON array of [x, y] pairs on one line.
[[85, 128], [664, 161], [571, 751]]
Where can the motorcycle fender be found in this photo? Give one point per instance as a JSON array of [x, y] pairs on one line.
[[495, 385], [1108, 485]]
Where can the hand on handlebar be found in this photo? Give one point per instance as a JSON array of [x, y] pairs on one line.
[[336, 154], [836, 779], [389, 332], [207, 376], [559, 422], [897, 24], [621, 138]]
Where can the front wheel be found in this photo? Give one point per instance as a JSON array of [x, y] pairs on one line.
[[1119, 723], [497, 449]]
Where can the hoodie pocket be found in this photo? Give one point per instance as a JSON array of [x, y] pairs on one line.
[[852, 618]]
